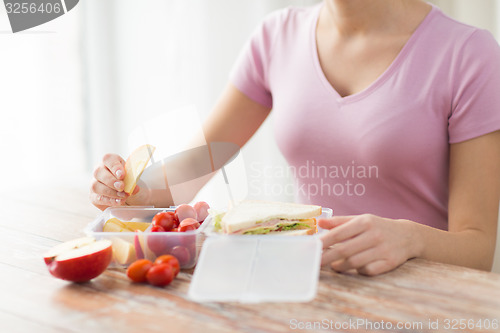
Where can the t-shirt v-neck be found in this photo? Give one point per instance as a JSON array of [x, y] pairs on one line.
[[394, 65]]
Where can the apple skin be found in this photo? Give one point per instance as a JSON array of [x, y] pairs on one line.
[[81, 269], [138, 248], [48, 260]]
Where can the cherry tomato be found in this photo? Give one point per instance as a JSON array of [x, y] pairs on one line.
[[167, 220], [160, 275], [138, 270], [187, 228], [171, 260], [159, 244], [189, 224], [187, 240], [201, 209], [182, 254], [185, 211], [157, 228]]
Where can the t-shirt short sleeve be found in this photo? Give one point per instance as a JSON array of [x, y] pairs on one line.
[[250, 72], [476, 92]]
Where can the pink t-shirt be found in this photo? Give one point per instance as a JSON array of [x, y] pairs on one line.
[[384, 150]]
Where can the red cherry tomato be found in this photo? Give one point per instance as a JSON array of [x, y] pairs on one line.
[[201, 208], [189, 224], [185, 211], [171, 260], [187, 228], [182, 254], [159, 244], [138, 270], [167, 220], [160, 275], [157, 228]]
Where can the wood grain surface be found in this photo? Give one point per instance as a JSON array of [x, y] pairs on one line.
[[419, 296]]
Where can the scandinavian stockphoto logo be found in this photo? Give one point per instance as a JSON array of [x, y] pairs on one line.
[[25, 14]]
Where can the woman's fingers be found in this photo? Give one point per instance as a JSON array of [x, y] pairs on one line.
[[101, 189], [350, 250], [103, 201], [376, 267], [115, 164], [104, 176], [369, 244], [356, 261], [107, 188], [346, 227], [333, 222]]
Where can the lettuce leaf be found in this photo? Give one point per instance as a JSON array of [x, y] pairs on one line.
[[259, 231], [294, 226], [278, 227], [217, 218]]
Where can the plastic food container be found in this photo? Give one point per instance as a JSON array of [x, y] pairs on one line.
[[252, 269], [129, 246], [257, 268]]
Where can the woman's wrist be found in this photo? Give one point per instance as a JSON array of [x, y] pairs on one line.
[[465, 248], [416, 242]]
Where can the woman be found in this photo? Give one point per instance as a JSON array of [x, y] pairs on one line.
[[391, 86]]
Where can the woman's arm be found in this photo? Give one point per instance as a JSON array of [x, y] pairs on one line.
[[375, 245], [472, 208], [235, 118]]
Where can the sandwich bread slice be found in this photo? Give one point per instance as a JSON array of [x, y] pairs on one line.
[[254, 217]]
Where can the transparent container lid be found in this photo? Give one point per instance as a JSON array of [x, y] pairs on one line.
[[252, 269]]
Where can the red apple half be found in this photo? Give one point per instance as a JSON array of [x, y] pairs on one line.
[[79, 260]]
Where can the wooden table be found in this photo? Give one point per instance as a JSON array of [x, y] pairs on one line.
[[421, 296]]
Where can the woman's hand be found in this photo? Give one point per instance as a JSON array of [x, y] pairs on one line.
[[107, 186], [369, 244]]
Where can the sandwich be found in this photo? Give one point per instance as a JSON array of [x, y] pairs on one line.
[[253, 217]]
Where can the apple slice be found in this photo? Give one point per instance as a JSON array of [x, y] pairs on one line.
[[115, 225], [141, 247], [79, 260], [138, 248], [51, 254], [123, 251], [148, 254], [135, 165], [134, 226]]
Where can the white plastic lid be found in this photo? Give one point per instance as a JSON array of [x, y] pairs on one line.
[[253, 269]]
